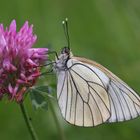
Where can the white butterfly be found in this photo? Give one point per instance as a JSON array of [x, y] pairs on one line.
[[88, 94]]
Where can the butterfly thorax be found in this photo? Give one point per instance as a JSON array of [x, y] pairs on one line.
[[61, 61]]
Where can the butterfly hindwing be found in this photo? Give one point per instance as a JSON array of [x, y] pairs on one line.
[[83, 99]]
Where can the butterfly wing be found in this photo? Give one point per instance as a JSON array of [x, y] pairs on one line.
[[124, 101], [88, 95], [82, 97]]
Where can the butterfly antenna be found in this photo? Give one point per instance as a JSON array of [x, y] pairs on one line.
[[66, 31]]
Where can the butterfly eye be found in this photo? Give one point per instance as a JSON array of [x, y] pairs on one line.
[[65, 50]]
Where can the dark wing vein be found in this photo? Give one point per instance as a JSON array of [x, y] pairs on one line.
[[119, 100], [91, 87], [97, 106], [125, 102], [70, 68], [113, 105], [66, 98], [89, 92], [99, 96], [62, 87], [127, 93]]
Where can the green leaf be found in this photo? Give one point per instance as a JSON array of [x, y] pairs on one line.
[[38, 100], [38, 96], [44, 89]]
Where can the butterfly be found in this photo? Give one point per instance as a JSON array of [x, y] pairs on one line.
[[89, 94]]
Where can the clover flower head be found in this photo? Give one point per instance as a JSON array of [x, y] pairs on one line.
[[19, 62]]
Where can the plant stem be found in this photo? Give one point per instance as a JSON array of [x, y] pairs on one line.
[[61, 133], [28, 122]]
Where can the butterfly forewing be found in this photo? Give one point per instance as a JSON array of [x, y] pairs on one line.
[[124, 101]]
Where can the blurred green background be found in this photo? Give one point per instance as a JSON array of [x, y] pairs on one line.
[[107, 31]]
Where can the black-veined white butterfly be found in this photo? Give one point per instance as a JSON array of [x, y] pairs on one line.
[[89, 94]]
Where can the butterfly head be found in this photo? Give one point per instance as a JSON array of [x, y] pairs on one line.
[[64, 56], [65, 50]]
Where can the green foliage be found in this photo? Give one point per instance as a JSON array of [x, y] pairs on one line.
[[37, 99], [38, 96]]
